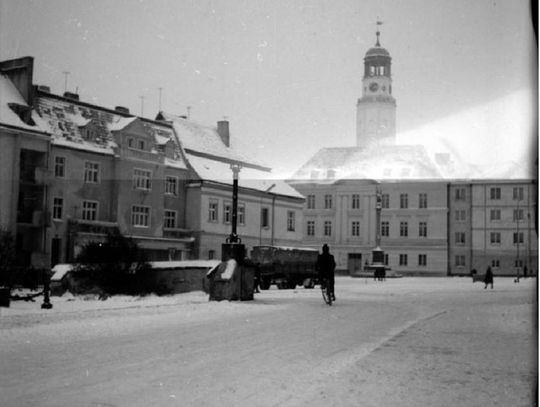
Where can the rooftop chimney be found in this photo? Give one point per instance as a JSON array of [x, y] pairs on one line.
[[121, 109], [223, 131], [71, 95]]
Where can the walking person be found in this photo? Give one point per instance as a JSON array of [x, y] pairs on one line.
[[326, 266], [488, 279]]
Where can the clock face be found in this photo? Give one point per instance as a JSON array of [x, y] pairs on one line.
[[373, 87]]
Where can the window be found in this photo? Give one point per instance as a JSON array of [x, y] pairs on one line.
[[170, 219], [460, 261], [142, 179], [422, 229], [518, 214], [355, 228], [89, 210], [130, 142], [227, 212], [403, 260], [460, 237], [385, 228], [495, 214], [495, 238], [290, 221], [495, 193], [213, 210], [91, 172], [328, 201], [422, 201], [241, 214], [460, 215], [518, 263], [518, 237], [355, 201], [211, 254], [265, 217], [460, 194], [171, 185], [403, 201], [311, 201], [327, 228], [385, 201], [422, 259], [386, 259], [58, 206], [60, 167], [403, 229], [141, 144], [518, 193], [495, 263], [311, 228], [140, 216]]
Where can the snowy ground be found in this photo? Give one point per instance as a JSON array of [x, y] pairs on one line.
[[407, 342]]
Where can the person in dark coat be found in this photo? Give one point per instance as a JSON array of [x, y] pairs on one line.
[[326, 266], [488, 279]]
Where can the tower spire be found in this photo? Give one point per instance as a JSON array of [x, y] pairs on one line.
[[378, 23]]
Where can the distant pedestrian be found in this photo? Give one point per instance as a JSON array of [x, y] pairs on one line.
[[326, 266], [488, 279]]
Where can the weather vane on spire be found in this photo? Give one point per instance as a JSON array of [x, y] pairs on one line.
[[378, 23]]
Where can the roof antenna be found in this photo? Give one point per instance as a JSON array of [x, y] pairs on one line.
[[66, 73], [142, 105], [160, 89], [378, 23], [189, 112]]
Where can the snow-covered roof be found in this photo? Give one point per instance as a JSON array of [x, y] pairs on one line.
[[217, 171], [67, 119], [376, 162], [10, 95], [204, 140]]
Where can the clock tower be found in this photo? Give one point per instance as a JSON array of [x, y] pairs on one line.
[[376, 109]]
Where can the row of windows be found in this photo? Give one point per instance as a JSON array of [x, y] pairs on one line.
[[140, 214], [142, 179], [494, 238], [213, 215], [460, 215], [459, 261], [355, 201], [355, 228], [494, 193], [404, 259]]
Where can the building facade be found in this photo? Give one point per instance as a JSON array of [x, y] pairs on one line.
[[493, 223], [73, 172]]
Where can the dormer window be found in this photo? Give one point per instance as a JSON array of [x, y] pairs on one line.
[[24, 113], [141, 145]]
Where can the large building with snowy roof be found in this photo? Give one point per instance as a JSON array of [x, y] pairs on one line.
[[73, 171], [424, 229]]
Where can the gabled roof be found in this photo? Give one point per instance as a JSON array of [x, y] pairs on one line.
[[204, 141], [376, 162]]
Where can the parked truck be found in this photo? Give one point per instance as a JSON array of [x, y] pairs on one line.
[[285, 267]]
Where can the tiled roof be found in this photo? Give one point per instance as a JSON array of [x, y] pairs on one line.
[[68, 120]]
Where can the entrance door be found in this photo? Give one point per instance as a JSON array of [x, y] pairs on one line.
[[354, 263]]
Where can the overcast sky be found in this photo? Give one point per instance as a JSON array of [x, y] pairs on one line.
[[287, 74]]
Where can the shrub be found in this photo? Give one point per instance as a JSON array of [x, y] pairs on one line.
[[116, 266]]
